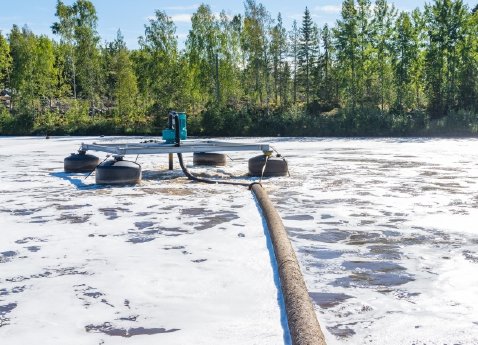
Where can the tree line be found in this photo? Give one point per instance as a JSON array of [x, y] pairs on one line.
[[377, 71]]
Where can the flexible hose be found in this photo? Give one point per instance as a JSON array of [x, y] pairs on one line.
[[304, 327], [204, 180]]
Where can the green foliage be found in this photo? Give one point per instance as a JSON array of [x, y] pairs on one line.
[[5, 61], [307, 54], [376, 72]]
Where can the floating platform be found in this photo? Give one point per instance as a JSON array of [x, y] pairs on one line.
[[190, 146]]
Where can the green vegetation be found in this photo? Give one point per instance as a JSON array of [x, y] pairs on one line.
[[377, 72]]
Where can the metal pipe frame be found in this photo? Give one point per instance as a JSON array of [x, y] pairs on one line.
[[123, 149]]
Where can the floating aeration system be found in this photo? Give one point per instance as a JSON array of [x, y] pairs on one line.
[[117, 170], [303, 325]]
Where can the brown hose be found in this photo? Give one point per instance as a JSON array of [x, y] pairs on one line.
[[303, 324]]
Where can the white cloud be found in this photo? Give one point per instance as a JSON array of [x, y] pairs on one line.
[[332, 9], [181, 17]]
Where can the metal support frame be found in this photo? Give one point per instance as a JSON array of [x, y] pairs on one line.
[[191, 146]]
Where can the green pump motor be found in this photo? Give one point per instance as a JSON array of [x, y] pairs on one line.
[[169, 134]]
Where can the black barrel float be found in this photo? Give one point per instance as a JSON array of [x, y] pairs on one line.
[[118, 171], [80, 162], [276, 166], [209, 158]]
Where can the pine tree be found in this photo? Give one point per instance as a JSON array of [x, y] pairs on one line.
[[278, 51], [348, 51], [294, 51], [307, 53]]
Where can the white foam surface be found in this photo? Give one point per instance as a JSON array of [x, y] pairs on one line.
[[83, 264]]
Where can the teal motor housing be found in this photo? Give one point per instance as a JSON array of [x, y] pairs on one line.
[[169, 134]]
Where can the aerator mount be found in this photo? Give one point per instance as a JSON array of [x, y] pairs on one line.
[[205, 152]]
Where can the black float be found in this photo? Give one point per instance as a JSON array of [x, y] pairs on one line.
[[118, 171], [275, 166], [209, 159], [80, 162]]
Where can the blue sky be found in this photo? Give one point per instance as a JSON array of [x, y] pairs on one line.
[[131, 16]]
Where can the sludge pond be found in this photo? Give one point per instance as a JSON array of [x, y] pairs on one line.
[[384, 229]]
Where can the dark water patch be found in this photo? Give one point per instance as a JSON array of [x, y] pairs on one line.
[[109, 329], [89, 295], [340, 222], [193, 211], [143, 224], [144, 214], [414, 239], [326, 236], [375, 266], [405, 295], [215, 219], [17, 279], [16, 289], [109, 213], [7, 256], [93, 294], [174, 247], [428, 173], [99, 235], [397, 220], [74, 218], [51, 273], [328, 299], [326, 216], [129, 318], [30, 239], [38, 220], [387, 252], [65, 271], [437, 188], [25, 211], [341, 330], [371, 279], [471, 256], [33, 248], [364, 237], [104, 301], [391, 233], [151, 232], [174, 231], [322, 254], [366, 222], [4, 310], [66, 207], [137, 240], [199, 260], [299, 217]]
